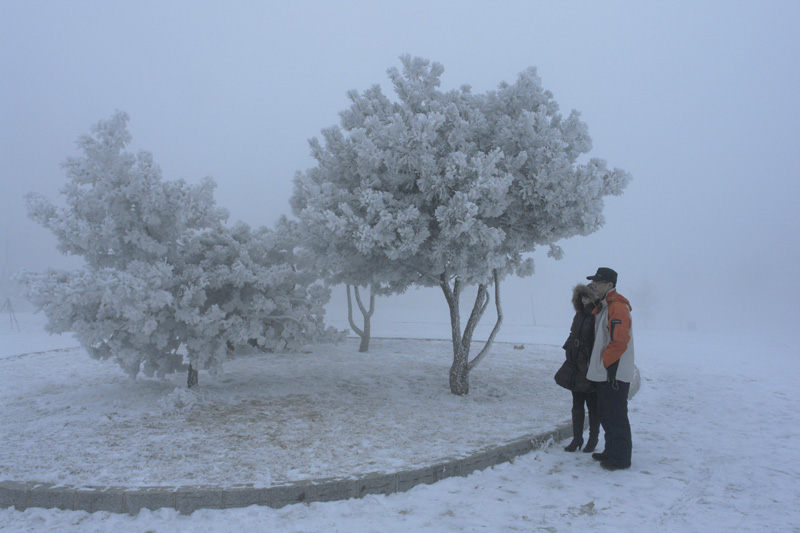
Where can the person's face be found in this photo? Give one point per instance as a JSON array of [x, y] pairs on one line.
[[586, 301], [600, 288]]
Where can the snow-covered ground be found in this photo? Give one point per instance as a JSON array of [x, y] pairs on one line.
[[715, 431], [267, 419]]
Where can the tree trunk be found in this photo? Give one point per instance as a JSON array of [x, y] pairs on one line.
[[497, 324], [461, 367], [364, 346], [459, 375], [364, 332], [192, 379], [459, 370]]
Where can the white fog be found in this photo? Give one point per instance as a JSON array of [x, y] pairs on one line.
[[695, 99]]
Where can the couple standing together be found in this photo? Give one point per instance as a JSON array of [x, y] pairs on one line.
[[599, 368]]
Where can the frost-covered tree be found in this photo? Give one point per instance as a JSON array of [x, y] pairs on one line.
[[165, 282], [450, 189], [336, 269]]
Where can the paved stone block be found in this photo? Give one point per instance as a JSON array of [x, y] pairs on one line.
[[447, 469], [497, 455], [560, 433], [500, 455], [190, 499], [152, 499], [326, 490], [412, 478], [376, 484], [520, 447], [111, 499], [243, 497], [13, 494], [477, 462], [288, 494], [51, 498]]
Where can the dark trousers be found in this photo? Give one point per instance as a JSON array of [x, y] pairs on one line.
[[578, 413], [612, 405]]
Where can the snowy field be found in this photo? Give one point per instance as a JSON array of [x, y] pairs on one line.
[[715, 432]]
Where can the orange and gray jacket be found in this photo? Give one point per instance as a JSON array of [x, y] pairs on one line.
[[612, 354]]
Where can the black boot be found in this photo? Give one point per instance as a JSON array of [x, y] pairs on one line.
[[577, 431], [594, 433]]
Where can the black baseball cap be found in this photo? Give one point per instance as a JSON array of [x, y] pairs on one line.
[[604, 274]]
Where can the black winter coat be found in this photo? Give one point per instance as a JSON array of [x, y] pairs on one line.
[[578, 347]]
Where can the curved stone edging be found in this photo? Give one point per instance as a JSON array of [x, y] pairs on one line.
[[188, 499]]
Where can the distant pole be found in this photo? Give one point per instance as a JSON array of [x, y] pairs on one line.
[[533, 313]]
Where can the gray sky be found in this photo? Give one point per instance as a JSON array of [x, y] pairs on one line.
[[696, 99]]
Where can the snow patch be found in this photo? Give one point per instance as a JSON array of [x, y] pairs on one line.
[[179, 401]]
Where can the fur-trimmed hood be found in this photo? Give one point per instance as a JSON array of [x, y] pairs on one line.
[[578, 292]]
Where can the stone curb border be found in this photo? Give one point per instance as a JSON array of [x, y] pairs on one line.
[[189, 499]]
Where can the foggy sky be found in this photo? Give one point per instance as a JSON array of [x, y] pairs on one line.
[[696, 99]]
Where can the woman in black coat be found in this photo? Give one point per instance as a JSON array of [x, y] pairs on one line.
[[572, 374]]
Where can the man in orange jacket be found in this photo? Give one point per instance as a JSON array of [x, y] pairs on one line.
[[611, 367]]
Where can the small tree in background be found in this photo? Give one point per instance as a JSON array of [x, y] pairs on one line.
[[333, 258], [323, 258], [449, 189], [165, 281]]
